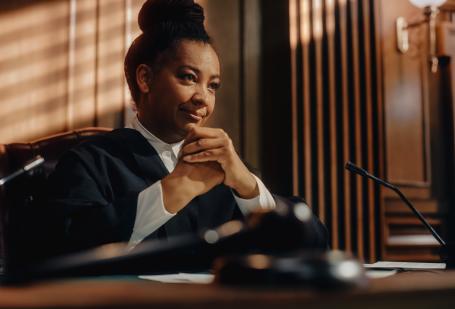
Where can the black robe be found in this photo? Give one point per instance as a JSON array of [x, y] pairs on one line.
[[94, 189], [92, 195]]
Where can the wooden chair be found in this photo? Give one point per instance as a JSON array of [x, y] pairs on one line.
[[21, 192]]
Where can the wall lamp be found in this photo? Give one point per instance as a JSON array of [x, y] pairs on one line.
[[430, 11]]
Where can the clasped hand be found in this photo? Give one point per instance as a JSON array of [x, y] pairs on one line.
[[214, 145], [208, 158]]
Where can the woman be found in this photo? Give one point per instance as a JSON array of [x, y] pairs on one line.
[[166, 174]]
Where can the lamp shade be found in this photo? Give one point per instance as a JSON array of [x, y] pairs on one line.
[[425, 3]]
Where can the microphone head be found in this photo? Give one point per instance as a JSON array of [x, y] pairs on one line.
[[355, 169]]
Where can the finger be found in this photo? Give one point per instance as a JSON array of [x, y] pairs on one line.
[[189, 138], [217, 154], [205, 132], [203, 144]]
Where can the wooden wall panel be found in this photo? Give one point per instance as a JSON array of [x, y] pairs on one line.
[[405, 102], [226, 37], [342, 93], [333, 65], [418, 152], [132, 8], [332, 184], [356, 63], [33, 68], [62, 65], [110, 51], [251, 86], [371, 121], [82, 64], [283, 142]]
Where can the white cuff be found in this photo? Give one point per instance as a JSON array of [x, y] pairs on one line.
[[264, 200], [150, 213]]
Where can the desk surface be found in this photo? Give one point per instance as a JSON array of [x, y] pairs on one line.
[[405, 290]]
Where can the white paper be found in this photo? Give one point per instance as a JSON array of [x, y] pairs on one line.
[[181, 278], [383, 273], [405, 265]]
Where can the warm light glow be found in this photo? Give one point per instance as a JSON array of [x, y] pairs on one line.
[[425, 3], [293, 33], [317, 19], [330, 13], [58, 66], [259, 261], [229, 228], [305, 34], [129, 37]]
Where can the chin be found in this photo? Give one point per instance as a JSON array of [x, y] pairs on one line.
[[183, 130], [188, 126]]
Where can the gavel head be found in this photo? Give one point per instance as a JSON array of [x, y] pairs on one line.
[[290, 227]]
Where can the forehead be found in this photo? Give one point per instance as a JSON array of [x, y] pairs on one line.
[[196, 54]]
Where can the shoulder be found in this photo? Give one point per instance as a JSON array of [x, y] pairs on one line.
[[114, 145], [98, 152], [116, 136], [116, 140]]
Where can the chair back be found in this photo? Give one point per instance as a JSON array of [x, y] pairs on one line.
[[14, 156]]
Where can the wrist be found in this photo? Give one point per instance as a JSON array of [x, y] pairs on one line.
[[177, 193], [248, 188]]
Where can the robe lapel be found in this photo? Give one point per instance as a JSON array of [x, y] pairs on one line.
[[152, 169]]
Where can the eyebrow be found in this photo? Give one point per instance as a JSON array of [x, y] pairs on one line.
[[197, 70]]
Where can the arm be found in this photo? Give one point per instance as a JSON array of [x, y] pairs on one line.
[[81, 208], [188, 181], [162, 200], [264, 200]]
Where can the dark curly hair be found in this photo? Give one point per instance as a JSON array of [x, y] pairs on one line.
[[163, 23]]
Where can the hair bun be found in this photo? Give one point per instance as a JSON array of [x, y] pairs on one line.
[[156, 12]]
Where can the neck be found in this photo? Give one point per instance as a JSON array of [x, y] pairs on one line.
[[164, 135]]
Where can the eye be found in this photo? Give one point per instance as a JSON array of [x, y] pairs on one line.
[[214, 86], [188, 77]]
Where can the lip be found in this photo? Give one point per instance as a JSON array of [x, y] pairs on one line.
[[192, 115]]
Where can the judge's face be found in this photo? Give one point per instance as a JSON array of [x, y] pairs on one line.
[[181, 91]]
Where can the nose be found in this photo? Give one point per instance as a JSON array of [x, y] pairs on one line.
[[200, 96]]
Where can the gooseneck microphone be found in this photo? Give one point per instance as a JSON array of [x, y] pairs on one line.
[[360, 171]]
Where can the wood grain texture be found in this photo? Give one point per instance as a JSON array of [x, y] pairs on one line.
[[404, 290], [333, 88]]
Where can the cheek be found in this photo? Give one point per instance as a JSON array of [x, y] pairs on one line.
[[211, 108], [182, 94]]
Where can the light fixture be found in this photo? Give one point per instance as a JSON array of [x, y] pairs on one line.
[[425, 3], [430, 10]]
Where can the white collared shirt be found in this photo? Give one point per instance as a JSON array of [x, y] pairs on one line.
[[151, 213]]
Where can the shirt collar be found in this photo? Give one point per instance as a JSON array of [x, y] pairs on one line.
[[157, 143]]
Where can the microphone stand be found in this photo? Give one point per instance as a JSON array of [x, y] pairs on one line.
[[447, 250], [29, 167], [37, 161]]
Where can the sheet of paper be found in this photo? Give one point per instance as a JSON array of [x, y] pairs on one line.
[[382, 273], [181, 278], [405, 265]]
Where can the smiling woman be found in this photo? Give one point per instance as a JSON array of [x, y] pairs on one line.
[[167, 174], [181, 93]]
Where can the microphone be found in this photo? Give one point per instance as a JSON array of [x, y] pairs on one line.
[[36, 162], [360, 171]]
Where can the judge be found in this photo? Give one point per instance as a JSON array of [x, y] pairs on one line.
[[166, 174]]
